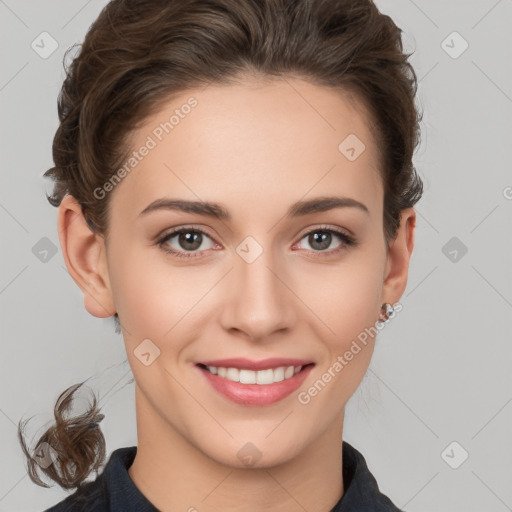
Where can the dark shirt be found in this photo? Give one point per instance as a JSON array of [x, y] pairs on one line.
[[114, 491]]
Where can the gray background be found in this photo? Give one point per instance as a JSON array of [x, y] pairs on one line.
[[441, 372]]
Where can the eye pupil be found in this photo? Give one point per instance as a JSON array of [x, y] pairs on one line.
[[189, 240], [322, 238]]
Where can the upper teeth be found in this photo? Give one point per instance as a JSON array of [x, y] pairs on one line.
[[255, 377]]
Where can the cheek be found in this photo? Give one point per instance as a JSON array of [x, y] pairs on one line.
[[348, 306], [137, 288], [345, 298], [154, 298]]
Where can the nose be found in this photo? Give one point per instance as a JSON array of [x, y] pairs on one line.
[[259, 302]]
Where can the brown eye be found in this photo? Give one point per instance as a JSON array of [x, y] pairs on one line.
[[187, 240], [321, 239]]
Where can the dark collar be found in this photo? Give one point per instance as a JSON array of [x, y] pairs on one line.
[[362, 492], [113, 490]]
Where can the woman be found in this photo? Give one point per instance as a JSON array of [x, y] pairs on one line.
[[235, 186]]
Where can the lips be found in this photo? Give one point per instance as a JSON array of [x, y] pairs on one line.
[[256, 383]]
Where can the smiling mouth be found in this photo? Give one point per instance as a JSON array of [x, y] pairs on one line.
[[261, 377]]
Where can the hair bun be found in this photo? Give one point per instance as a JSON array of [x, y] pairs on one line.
[[70, 449]]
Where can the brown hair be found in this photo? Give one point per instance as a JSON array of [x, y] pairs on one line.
[[139, 53]]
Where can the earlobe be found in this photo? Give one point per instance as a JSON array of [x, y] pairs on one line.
[[85, 257], [399, 255]]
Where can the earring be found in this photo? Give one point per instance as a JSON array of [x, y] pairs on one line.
[[386, 312]]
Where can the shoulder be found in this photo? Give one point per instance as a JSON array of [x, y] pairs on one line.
[[96, 496], [91, 497], [361, 491]]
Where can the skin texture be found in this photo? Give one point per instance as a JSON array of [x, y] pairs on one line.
[[256, 147]]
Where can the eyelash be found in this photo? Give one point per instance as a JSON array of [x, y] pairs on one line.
[[347, 241]]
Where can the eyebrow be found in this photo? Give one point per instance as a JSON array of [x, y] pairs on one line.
[[218, 211]]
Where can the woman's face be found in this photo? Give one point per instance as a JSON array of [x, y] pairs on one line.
[[269, 282]]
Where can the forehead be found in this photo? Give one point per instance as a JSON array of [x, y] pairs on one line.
[[254, 143]]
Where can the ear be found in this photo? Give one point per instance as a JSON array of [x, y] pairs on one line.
[[85, 257], [399, 254]]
